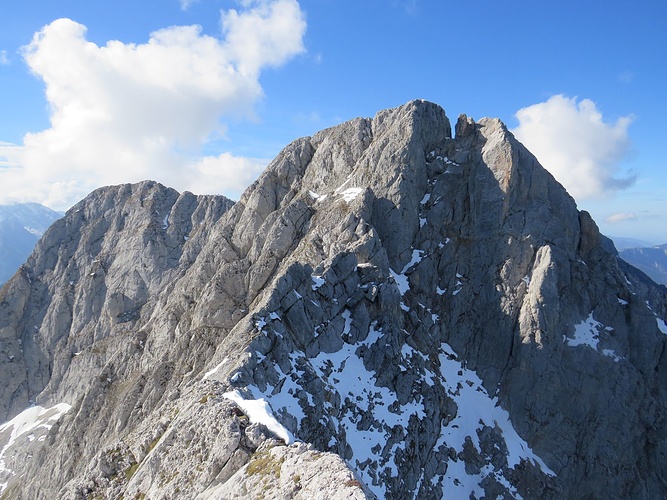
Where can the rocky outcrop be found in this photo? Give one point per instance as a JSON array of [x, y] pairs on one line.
[[426, 316], [297, 471]]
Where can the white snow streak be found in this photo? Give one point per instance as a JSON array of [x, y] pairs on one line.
[[661, 325], [214, 370], [351, 193], [259, 411], [317, 197]]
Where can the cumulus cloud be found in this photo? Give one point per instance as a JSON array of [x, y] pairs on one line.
[[4, 60], [266, 35], [126, 112], [579, 148], [235, 173]]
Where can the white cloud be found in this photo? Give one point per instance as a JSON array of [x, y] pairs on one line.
[[233, 172], [620, 217], [185, 4], [9, 155], [128, 112], [267, 35], [4, 60], [573, 142]]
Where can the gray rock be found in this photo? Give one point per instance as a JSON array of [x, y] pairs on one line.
[[428, 316]]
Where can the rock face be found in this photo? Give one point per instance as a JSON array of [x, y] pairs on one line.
[[388, 311]]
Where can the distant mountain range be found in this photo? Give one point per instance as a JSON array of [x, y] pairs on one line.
[[651, 260], [21, 225], [625, 243]]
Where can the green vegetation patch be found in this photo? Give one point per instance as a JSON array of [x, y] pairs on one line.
[[265, 463], [129, 472]]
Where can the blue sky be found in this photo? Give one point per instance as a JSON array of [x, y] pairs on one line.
[[93, 93]]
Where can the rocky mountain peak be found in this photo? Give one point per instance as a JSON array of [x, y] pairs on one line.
[[387, 311]]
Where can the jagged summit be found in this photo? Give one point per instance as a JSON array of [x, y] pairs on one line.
[[412, 314]]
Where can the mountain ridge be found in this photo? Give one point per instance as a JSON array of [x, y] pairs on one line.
[[650, 260], [374, 281]]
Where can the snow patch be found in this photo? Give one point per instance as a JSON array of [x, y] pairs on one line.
[[351, 193], [458, 284], [401, 281], [318, 281], [587, 333], [401, 278], [611, 354], [661, 325], [27, 422], [209, 373], [259, 411], [349, 177], [316, 196], [347, 316], [260, 323]]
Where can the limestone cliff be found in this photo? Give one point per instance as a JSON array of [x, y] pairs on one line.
[[388, 311]]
